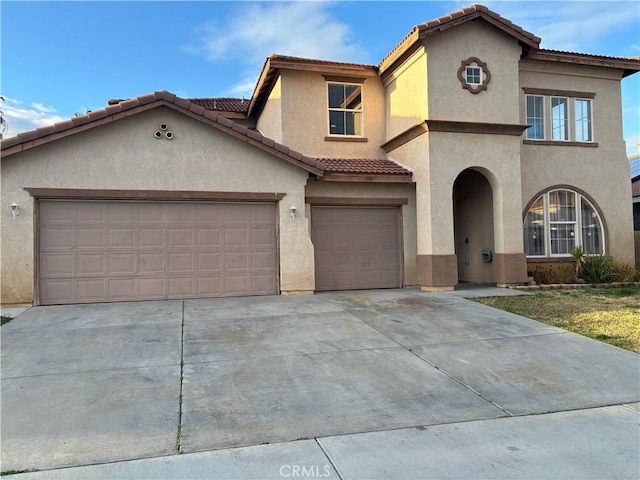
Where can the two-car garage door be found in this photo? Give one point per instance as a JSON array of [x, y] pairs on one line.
[[104, 251]]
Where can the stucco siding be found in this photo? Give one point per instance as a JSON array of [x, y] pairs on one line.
[[364, 190], [125, 155], [270, 121], [406, 95], [448, 100], [603, 171], [305, 117]]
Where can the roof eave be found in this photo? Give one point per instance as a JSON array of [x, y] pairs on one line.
[[629, 66]]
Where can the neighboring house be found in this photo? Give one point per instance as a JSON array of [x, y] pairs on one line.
[[468, 154]]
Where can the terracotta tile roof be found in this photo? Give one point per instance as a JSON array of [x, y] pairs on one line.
[[236, 105], [40, 136], [432, 27], [274, 62], [635, 187], [630, 65], [362, 166]]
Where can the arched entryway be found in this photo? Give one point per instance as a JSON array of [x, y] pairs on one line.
[[473, 227]]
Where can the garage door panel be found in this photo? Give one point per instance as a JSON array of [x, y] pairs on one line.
[[56, 238], [90, 264], [151, 237], [57, 264], [118, 237], [122, 212], [150, 288], [110, 251], [90, 289], [356, 247], [90, 238], [209, 237], [150, 263], [180, 262]]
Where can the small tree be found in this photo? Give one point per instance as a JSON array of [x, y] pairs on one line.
[[578, 255]]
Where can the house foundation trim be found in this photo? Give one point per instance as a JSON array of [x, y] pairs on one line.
[[437, 272], [510, 268]]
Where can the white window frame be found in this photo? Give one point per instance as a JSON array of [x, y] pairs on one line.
[[466, 75], [566, 119], [347, 110], [589, 120], [578, 230], [543, 118]]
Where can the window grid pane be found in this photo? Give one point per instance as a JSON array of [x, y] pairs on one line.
[[473, 75], [534, 233], [583, 121], [345, 109], [592, 234], [535, 117], [559, 119]]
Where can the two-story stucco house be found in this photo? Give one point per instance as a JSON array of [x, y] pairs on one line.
[[467, 154]]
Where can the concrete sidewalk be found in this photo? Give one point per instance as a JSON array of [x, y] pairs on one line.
[[582, 444], [369, 384]]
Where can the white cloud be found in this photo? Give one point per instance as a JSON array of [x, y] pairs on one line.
[[576, 26], [23, 119], [299, 29]]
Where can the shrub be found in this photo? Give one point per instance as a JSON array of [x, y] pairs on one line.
[[558, 273], [626, 273], [599, 269]]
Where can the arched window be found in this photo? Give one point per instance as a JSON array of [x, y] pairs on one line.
[[558, 221]]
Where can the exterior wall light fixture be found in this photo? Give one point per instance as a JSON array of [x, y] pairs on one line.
[[15, 209], [293, 211]]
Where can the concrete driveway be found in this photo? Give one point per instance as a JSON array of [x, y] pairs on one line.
[[367, 374]]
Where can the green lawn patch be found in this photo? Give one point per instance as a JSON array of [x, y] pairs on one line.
[[611, 315]]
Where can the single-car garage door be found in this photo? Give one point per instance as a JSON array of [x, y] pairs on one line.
[[356, 247], [106, 251]]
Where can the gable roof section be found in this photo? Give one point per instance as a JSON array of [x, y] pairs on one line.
[[274, 63], [27, 140], [413, 40]]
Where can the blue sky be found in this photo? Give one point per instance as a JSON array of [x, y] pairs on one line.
[[59, 58]]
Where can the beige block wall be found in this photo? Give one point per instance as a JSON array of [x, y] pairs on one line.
[[270, 121], [378, 190], [125, 155], [406, 95], [305, 117], [601, 172], [448, 100]]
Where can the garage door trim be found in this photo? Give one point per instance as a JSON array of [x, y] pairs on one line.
[[158, 195]]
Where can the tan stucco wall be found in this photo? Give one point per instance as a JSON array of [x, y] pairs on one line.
[[495, 156], [602, 172], [406, 95], [448, 100], [371, 190], [270, 121], [305, 117], [125, 155]]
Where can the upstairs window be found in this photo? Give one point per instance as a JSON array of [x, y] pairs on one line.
[[583, 120], [560, 220], [559, 118], [535, 117], [473, 75], [345, 109]]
